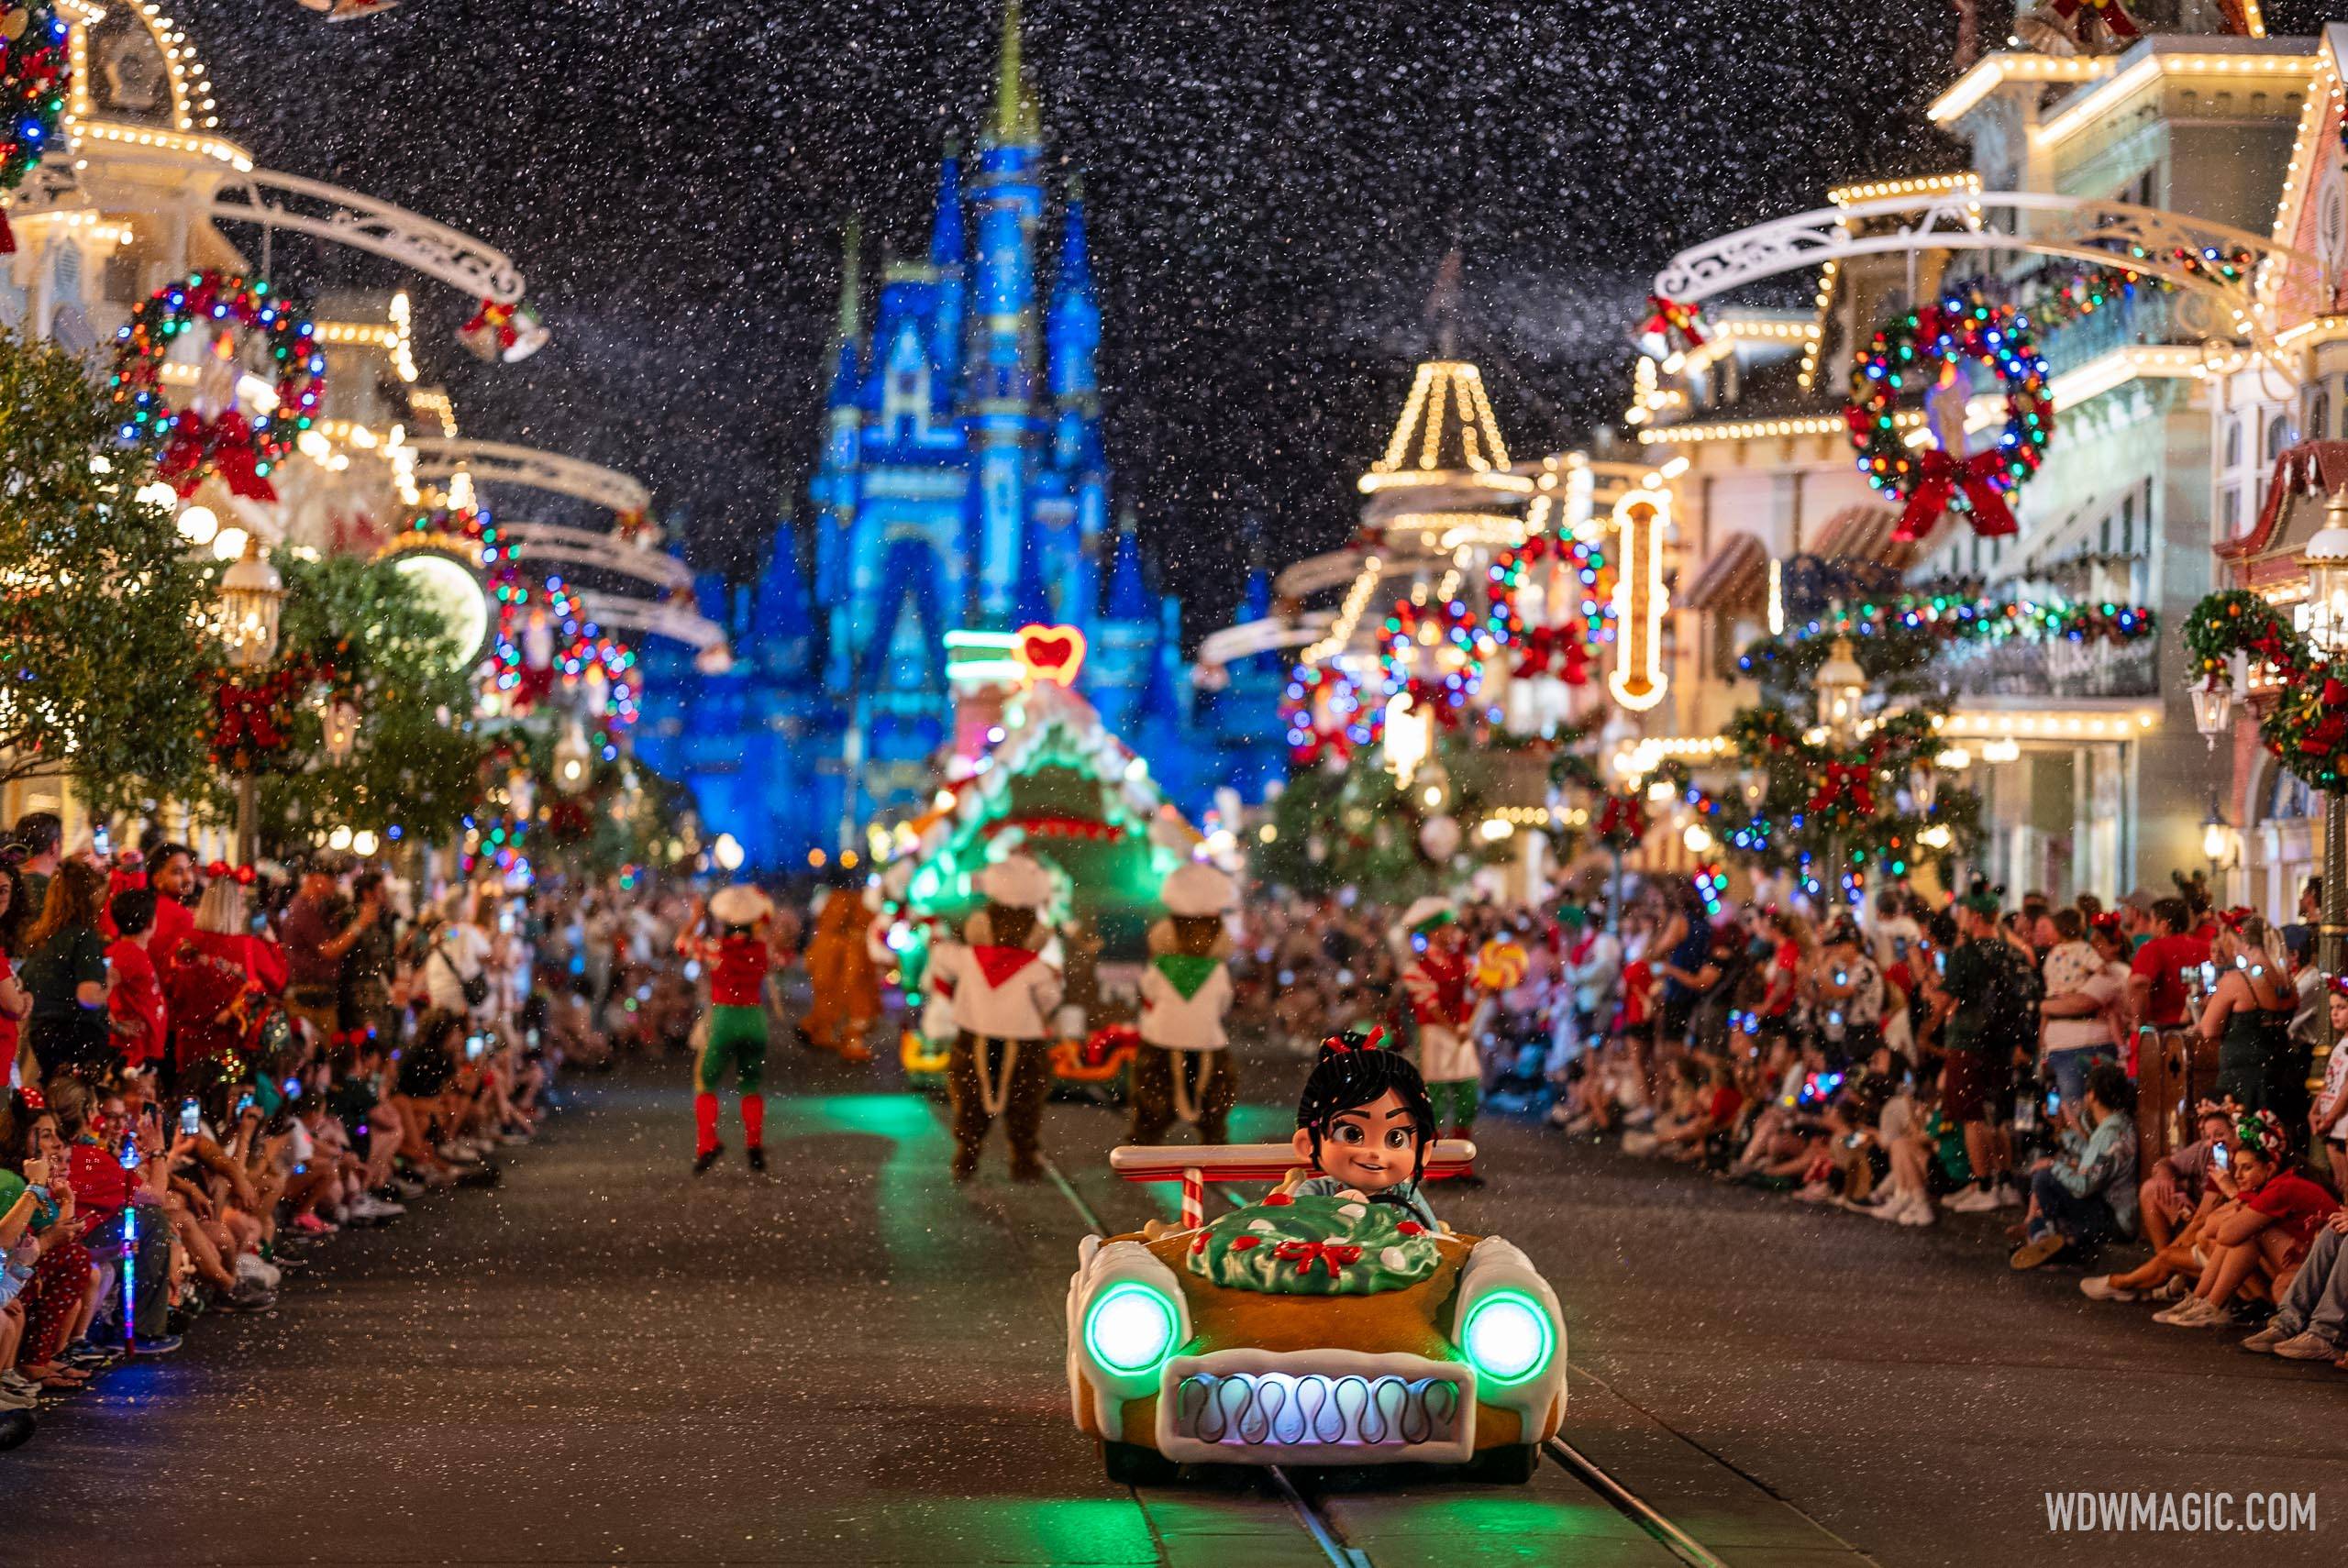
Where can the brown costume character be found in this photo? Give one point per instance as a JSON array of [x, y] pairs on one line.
[[1182, 1070], [1003, 995], [846, 983]]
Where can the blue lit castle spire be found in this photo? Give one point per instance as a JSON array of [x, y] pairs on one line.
[[962, 483]]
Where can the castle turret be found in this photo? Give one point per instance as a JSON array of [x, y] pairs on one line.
[[950, 259], [999, 377]]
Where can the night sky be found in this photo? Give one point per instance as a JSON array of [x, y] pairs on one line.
[[1271, 188]]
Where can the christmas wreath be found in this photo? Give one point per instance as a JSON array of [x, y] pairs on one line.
[[188, 444], [34, 65], [1844, 799], [2307, 727], [1622, 823], [1561, 646], [1678, 322], [1928, 348], [1410, 627]]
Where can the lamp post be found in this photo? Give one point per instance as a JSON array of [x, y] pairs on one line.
[[2218, 842], [571, 762], [2326, 559], [251, 594]]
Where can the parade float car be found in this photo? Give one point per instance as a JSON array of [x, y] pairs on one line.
[[1308, 1330]]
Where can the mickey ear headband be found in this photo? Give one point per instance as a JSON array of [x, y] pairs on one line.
[[2235, 917], [34, 1098], [240, 875]]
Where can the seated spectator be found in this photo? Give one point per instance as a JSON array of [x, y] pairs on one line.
[[2312, 1322], [2328, 1117], [2086, 1194], [2257, 1240]]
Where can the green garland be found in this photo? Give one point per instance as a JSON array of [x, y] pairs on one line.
[[2307, 727]]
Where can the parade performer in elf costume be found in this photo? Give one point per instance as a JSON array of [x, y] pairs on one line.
[[1442, 1001], [732, 940], [1365, 1121], [1183, 1069], [1004, 995]]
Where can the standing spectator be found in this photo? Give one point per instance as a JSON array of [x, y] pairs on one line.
[[1849, 990], [316, 933], [41, 835], [2086, 1194], [2155, 982], [370, 963], [2249, 1014], [2328, 1117], [1981, 1004], [220, 985], [456, 958], [2086, 985], [134, 1007], [14, 1003], [1895, 934], [65, 971]]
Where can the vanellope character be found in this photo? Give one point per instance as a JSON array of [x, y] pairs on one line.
[[1183, 1069], [1364, 1120], [1003, 993]]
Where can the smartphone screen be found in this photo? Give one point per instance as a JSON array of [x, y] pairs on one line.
[[2219, 1156], [190, 1121], [473, 1047], [2053, 1102], [244, 1103]]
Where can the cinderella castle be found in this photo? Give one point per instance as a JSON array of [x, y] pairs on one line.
[[962, 486]]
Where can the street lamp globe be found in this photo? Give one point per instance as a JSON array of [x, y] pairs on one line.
[[1842, 685], [339, 729], [571, 762], [2326, 560], [251, 594]]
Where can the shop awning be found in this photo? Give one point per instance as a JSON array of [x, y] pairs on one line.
[[2310, 471], [1863, 533], [1735, 580]]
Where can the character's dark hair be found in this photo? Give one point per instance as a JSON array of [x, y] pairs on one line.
[[1354, 1070], [133, 909]]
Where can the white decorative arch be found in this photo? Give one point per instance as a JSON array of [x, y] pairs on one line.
[[615, 613], [2144, 239], [605, 552], [440, 456], [328, 212], [1269, 635]]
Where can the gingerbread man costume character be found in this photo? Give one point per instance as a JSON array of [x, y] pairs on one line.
[[734, 951], [1182, 1070], [1004, 995]]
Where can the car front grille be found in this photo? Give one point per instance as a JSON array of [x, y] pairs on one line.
[[1242, 1412]]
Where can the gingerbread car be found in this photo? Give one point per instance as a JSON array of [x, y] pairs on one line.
[[1309, 1330]]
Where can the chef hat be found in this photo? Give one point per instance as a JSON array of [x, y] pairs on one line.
[[1198, 889], [1016, 881], [740, 904]]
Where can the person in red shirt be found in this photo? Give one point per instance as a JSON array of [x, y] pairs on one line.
[[736, 951], [2155, 989], [135, 1005], [2263, 1233]]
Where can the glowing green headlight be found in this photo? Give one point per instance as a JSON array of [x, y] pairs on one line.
[[1508, 1337], [1130, 1327]]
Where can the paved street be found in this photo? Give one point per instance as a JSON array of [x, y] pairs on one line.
[[852, 1361]]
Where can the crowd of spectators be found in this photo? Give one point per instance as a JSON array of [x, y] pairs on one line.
[[212, 1069], [1913, 1058]]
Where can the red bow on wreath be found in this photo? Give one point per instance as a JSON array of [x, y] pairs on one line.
[[2113, 14], [1847, 785], [223, 446], [1676, 322], [1622, 818], [497, 320], [1330, 1255], [1941, 478], [1556, 650]]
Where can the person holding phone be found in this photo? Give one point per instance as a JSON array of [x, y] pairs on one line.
[[2084, 1195], [2249, 1015]]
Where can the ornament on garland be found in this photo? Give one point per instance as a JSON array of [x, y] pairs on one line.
[[35, 64], [191, 443], [511, 333], [1927, 350], [2306, 726], [1677, 322]]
